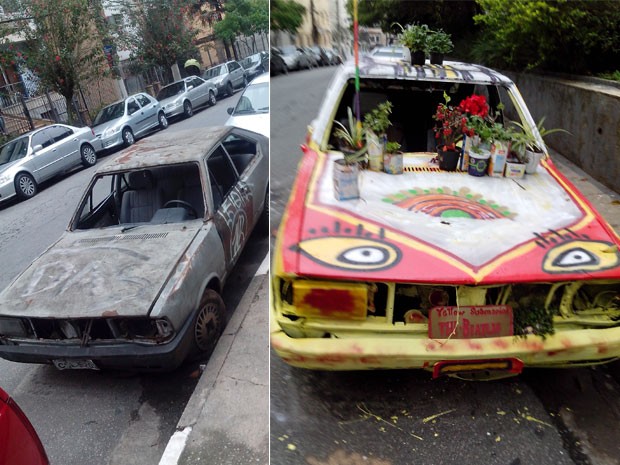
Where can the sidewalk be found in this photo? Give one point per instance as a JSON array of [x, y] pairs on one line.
[[226, 421]]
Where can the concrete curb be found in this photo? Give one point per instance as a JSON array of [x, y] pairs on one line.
[[205, 386]]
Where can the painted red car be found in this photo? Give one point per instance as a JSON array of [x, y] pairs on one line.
[[460, 275], [19, 442]]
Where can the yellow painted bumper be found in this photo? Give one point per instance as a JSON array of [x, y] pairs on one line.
[[568, 348]]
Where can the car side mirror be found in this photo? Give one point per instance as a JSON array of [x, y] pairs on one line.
[[36, 148], [230, 110], [190, 87]]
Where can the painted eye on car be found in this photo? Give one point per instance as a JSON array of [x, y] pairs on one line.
[[351, 253], [581, 256]]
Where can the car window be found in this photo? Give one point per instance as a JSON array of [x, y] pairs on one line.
[[58, 133], [222, 175], [171, 90], [41, 138], [255, 99], [99, 207], [241, 151], [197, 81], [214, 72], [109, 113], [132, 106], [143, 100], [14, 150], [234, 66]]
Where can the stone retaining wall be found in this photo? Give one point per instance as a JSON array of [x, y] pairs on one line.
[[589, 109]]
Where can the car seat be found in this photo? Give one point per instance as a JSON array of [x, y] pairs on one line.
[[142, 199]]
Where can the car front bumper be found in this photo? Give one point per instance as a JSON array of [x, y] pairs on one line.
[[111, 354], [112, 141], [7, 190], [563, 349]]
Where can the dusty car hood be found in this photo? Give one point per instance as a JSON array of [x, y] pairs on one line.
[[97, 273], [429, 226]]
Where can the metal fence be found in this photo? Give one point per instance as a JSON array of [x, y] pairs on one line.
[[21, 110]]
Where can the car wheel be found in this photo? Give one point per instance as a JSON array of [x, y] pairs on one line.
[[187, 109], [209, 322], [229, 89], [212, 99], [163, 121], [128, 138], [25, 186], [89, 156]]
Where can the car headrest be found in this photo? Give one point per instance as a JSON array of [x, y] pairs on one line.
[[140, 180]]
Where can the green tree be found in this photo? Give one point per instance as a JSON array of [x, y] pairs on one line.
[[286, 16], [157, 32], [572, 36], [64, 43], [243, 19]]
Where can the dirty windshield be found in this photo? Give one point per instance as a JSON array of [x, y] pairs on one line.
[[14, 150], [116, 110], [171, 90]]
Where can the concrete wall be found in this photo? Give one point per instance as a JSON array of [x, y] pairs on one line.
[[590, 110]]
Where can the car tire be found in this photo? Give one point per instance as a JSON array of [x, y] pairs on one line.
[[229, 89], [212, 99], [25, 186], [128, 137], [88, 155], [188, 111], [163, 121], [208, 323]]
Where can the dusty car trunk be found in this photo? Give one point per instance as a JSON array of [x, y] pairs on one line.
[[98, 274]]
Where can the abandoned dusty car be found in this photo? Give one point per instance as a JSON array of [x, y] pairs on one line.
[[462, 275], [135, 280]]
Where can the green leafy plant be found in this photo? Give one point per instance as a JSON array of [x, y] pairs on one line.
[[352, 139], [414, 36], [529, 138], [392, 147], [378, 119], [439, 42]]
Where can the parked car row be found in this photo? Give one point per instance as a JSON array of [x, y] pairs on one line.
[[34, 157], [291, 58]]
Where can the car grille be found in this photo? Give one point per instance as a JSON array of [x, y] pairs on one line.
[[91, 330], [537, 308]]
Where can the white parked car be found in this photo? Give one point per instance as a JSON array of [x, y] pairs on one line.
[[38, 155], [122, 122], [252, 109], [181, 97], [391, 54]]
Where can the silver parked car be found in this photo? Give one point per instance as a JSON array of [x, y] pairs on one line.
[[252, 109], [38, 155], [135, 280], [226, 77], [255, 64], [122, 122], [181, 97]]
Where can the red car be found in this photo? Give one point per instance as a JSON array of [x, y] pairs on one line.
[[20, 443]]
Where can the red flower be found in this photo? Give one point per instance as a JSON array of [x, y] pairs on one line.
[[475, 105], [57, 57]]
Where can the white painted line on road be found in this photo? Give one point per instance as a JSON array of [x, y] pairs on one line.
[[264, 267], [175, 447]]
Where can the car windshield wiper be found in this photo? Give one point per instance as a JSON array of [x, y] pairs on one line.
[[128, 228]]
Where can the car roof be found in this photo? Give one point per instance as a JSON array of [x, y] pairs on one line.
[[180, 147], [450, 71]]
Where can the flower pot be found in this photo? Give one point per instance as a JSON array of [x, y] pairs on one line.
[[376, 145], [436, 58], [345, 180], [533, 159], [448, 159], [499, 155], [478, 162], [393, 163], [514, 169], [418, 57]]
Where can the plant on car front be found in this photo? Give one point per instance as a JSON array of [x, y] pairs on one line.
[[352, 139]]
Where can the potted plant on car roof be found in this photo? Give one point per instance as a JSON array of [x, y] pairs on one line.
[[438, 44], [533, 144], [414, 37], [353, 147], [393, 158], [376, 123]]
